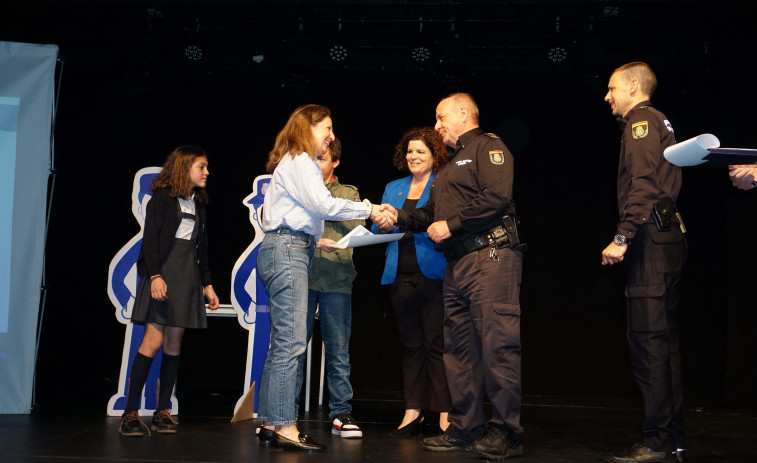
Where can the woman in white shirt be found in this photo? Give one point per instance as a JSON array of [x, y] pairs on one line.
[[295, 206]]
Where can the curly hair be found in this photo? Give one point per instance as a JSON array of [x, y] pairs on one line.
[[430, 138], [175, 173], [296, 137]]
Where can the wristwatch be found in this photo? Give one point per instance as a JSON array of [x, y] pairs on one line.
[[620, 240]]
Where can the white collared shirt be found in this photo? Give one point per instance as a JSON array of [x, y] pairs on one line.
[[186, 227], [298, 199]]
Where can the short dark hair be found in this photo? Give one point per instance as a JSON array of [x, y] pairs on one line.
[[335, 148], [641, 72], [430, 138]]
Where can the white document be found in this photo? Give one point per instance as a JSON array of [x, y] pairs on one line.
[[691, 152], [360, 236]]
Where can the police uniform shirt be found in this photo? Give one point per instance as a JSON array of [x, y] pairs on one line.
[[644, 176], [472, 192]]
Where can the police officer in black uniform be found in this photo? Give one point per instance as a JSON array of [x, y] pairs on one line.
[[470, 216], [649, 241]]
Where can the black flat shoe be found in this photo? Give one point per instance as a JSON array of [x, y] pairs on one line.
[[409, 429], [264, 434], [303, 442]]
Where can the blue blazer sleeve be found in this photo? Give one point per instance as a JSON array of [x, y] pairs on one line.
[[430, 261]]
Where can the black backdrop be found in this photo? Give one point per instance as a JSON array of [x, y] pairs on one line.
[[128, 96]]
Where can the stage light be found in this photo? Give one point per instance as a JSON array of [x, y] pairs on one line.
[[338, 53], [420, 54], [557, 54], [257, 59], [154, 13], [193, 53]]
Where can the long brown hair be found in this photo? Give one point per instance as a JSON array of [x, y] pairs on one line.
[[297, 137], [175, 173], [430, 138]]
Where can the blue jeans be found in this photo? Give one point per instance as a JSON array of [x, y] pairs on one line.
[[283, 263], [335, 311]]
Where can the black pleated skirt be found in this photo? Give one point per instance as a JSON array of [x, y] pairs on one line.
[[185, 304]]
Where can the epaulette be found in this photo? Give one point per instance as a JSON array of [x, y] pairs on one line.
[[491, 135], [354, 191]]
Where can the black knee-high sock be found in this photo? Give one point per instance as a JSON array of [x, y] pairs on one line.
[[140, 368], [169, 368]]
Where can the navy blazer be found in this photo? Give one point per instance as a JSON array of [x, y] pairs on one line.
[[162, 219], [431, 262]]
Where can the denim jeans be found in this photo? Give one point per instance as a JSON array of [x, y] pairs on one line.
[[335, 314], [283, 263]]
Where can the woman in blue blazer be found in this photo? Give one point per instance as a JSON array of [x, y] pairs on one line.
[[413, 272]]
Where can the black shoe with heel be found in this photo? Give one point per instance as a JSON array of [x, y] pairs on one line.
[[410, 429]]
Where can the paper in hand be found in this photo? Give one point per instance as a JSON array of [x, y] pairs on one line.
[[360, 236]]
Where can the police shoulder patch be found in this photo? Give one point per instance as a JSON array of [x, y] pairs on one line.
[[640, 129], [491, 135], [497, 157]]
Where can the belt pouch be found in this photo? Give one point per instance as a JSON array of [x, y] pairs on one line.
[[663, 214]]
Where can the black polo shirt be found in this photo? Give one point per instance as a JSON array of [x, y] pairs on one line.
[[472, 192]]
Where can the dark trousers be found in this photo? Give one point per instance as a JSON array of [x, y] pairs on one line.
[[653, 266], [419, 312], [482, 341]]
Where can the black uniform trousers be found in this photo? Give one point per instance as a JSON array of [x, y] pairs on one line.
[[482, 354], [419, 312], [653, 266]]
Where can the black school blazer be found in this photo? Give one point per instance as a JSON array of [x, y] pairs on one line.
[[162, 219]]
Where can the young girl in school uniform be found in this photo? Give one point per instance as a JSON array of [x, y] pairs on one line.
[[174, 281]]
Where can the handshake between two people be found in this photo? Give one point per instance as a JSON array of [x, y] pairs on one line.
[[385, 216]]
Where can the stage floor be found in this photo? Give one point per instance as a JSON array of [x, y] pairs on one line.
[[557, 429]]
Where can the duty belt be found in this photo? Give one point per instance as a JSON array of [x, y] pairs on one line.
[[501, 236]]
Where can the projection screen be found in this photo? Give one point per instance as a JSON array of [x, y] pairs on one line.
[[27, 86]]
